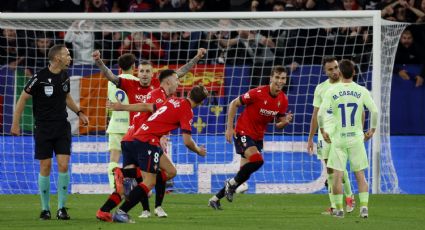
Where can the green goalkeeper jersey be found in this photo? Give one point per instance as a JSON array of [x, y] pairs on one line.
[[346, 102], [319, 93], [120, 120]]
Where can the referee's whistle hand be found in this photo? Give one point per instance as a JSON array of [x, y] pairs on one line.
[[84, 119]]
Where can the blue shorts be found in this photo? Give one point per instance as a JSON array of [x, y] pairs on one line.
[[242, 142], [148, 156]]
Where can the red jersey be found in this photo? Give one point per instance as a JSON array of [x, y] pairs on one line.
[[261, 109], [135, 92], [156, 97], [175, 112]]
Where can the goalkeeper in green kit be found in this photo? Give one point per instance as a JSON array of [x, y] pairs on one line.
[[346, 101]]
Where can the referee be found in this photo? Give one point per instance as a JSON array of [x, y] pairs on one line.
[[49, 89]]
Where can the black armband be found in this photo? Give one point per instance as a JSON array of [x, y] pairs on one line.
[[78, 113]]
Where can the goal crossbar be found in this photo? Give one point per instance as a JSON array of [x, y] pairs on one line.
[[208, 21]]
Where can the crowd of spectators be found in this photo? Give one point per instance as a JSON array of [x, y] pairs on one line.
[[401, 10], [259, 49]]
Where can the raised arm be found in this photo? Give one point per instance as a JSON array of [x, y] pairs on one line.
[[105, 70], [231, 113], [190, 144], [417, 12], [184, 69], [20, 105]]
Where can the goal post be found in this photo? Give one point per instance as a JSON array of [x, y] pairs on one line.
[[376, 95], [298, 40]]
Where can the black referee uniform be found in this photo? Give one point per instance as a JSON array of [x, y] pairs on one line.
[[52, 131]]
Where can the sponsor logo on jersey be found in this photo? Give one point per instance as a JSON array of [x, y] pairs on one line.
[[140, 98], [266, 112]]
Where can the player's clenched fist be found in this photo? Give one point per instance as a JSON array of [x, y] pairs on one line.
[[96, 55]]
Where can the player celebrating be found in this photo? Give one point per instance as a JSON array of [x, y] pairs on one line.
[[120, 120], [323, 148], [175, 112], [136, 91], [262, 105], [168, 86], [169, 83], [345, 101]]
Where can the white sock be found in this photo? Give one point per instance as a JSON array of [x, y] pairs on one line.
[[232, 181]]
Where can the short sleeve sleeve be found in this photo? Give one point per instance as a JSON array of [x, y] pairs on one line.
[[66, 85], [31, 85], [112, 91], [317, 100], [249, 97], [186, 120]]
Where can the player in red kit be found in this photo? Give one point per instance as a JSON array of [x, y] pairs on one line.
[[175, 112], [129, 172], [262, 105], [135, 90], [169, 83]]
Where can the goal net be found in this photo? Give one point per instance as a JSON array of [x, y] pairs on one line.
[[241, 50]]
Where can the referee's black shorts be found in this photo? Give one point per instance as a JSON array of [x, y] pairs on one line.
[[52, 136]]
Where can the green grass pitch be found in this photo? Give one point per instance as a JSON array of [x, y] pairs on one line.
[[190, 211]]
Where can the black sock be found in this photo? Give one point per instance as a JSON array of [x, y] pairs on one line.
[[138, 194], [246, 171], [220, 194], [145, 204], [113, 201], [159, 189]]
